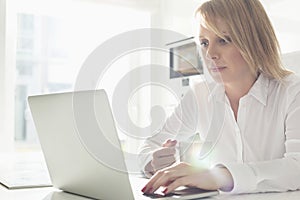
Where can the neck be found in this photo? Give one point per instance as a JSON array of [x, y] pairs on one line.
[[237, 90]]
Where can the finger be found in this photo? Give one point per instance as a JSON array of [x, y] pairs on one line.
[[172, 173], [164, 152], [164, 177], [161, 178], [166, 142], [159, 164], [168, 177], [169, 143], [162, 161], [149, 186], [181, 181]]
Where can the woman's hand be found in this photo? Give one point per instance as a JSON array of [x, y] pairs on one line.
[[163, 157], [184, 174]]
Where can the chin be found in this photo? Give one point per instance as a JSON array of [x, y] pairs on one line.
[[217, 77]]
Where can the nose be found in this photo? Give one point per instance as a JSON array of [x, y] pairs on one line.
[[212, 53]]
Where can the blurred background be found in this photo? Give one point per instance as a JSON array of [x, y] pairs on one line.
[[43, 44]]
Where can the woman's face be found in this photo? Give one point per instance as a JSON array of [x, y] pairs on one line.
[[223, 60]]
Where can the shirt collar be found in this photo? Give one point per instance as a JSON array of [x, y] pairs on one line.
[[259, 90]]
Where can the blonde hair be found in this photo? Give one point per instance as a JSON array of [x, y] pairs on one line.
[[250, 31]]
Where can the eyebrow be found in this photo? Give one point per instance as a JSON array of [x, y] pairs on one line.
[[224, 32]]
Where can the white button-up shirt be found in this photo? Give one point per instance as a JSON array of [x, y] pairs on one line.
[[261, 148]]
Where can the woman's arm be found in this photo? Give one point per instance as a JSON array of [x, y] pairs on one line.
[[181, 124], [275, 175]]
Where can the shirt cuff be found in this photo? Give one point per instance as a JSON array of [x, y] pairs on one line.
[[144, 160], [244, 179]]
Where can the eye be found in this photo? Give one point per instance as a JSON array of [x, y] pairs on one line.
[[204, 43], [225, 40], [222, 41]]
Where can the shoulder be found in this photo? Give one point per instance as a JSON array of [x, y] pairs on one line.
[[287, 89], [291, 81], [291, 84]]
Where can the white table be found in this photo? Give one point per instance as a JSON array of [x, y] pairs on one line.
[[51, 193]]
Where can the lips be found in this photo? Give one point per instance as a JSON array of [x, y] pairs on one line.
[[217, 68]]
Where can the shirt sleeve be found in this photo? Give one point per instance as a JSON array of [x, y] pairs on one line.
[[181, 124], [275, 175]]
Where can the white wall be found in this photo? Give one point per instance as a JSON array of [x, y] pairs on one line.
[[178, 15], [285, 18], [292, 61]]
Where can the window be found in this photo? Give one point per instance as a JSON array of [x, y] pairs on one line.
[[51, 45], [37, 54]]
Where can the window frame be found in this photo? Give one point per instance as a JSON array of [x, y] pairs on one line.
[[7, 71]]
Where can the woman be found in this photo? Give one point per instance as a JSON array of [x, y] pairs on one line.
[[257, 147]]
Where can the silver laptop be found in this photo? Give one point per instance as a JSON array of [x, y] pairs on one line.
[[81, 146]]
